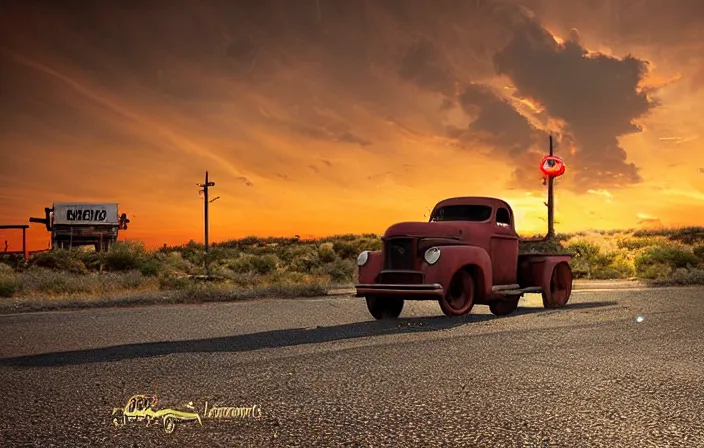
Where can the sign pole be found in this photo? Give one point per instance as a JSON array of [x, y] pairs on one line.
[[551, 203]]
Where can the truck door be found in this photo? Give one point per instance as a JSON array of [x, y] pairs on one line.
[[504, 249]]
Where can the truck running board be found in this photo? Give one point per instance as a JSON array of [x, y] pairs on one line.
[[497, 288], [517, 291]]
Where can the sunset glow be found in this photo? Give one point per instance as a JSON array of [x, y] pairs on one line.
[[350, 117]]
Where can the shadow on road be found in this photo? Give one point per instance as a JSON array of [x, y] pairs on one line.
[[267, 339], [574, 306]]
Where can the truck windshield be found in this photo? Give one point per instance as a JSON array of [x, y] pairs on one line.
[[475, 213]]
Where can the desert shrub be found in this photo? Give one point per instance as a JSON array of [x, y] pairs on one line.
[[174, 282], [60, 260], [539, 246], [289, 278], [698, 252], [174, 262], [218, 254], [305, 261], [580, 267], [9, 285], [6, 269], [93, 261], [671, 256], [326, 253], [132, 256], [657, 271], [15, 261], [637, 243], [619, 267], [130, 280], [241, 264], [601, 266], [587, 258], [683, 276], [193, 252], [290, 253], [584, 249], [248, 241], [125, 256], [623, 264], [45, 281], [671, 233], [341, 271], [248, 279], [345, 249], [150, 267], [687, 235], [264, 264], [368, 242]]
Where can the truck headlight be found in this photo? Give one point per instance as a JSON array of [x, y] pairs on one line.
[[432, 255], [363, 258]]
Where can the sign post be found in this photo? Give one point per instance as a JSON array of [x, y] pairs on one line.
[[551, 167]]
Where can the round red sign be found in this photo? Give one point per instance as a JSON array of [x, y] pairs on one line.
[[552, 166]]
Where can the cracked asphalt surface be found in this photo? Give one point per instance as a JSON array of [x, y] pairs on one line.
[[326, 374]]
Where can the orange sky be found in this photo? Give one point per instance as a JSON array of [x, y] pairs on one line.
[[325, 117]]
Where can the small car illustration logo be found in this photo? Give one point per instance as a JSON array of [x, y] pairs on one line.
[[142, 408]]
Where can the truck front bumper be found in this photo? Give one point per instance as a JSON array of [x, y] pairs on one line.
[[410, 292]]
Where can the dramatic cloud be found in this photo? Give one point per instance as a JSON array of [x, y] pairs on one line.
[[424, 65], [596, 95], [496, 124], [303, 111]]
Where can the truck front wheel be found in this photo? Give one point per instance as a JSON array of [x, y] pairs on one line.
[[384, 308], [459, 297]]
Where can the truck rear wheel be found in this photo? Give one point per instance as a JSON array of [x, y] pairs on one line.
[[384, 308], [504, 307], [459, 297], [558, 291]]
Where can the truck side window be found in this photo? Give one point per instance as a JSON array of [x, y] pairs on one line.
[[503, 217]]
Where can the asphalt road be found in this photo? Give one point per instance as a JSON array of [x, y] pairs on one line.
[[325, 374]]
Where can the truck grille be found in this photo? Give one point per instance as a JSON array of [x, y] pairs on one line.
[[401, 278], [399, 254]]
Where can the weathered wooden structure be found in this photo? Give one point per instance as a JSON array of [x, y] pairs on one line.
[[83, 224]]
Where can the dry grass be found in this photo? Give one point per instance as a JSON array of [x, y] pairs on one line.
[[286, 267]]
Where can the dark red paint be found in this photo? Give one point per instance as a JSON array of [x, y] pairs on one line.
[[487, 250]]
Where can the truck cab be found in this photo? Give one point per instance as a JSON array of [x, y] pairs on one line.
[[488, 223], [467, 254]]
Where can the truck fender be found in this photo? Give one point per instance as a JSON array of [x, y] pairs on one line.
[[368, 273], [537, 270], [548, 267], [454, 258]]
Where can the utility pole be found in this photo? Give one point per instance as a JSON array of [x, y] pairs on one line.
[[204, 190], [551, 203]]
